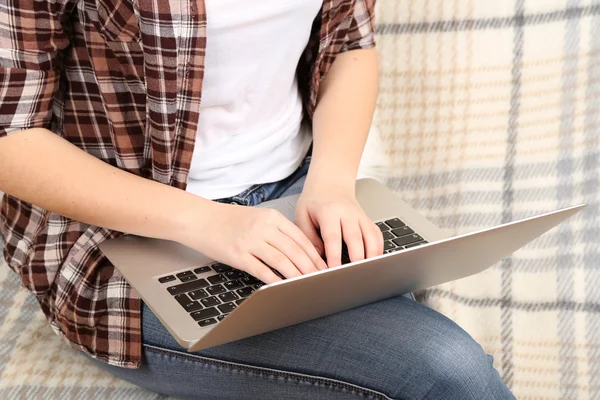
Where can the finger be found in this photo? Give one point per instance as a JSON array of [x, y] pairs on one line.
[[372, 238], [293, 252], [276, 260], [331, 232], [353, 238], [259, 270], [304, 222], [298, 236]]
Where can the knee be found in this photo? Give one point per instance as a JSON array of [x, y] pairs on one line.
[[458, 368], [431, 357]]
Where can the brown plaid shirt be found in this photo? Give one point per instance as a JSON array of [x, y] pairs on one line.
[[113, 78]]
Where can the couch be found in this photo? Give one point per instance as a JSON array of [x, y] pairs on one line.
[[488, 112]]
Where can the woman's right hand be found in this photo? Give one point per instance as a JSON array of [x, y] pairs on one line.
[[36, 162], [253, 240]]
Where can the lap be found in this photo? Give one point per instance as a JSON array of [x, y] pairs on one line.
[[397, 348]]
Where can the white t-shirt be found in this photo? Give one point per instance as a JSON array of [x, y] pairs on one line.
[[250, 129]]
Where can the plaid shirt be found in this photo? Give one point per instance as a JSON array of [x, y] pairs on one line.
[[120, 79]]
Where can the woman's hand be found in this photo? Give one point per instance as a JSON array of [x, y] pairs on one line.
[[253, 239], [329, 213]]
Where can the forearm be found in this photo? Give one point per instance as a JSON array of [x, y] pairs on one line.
[[41, 168], [343, 117]]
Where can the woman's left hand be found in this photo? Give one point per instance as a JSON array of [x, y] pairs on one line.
[[328, 214]]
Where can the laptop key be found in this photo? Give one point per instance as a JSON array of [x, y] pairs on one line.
[[207, 322], [204, 314], [216, 289], [234, 274], [185, 273], [388, 245], [229, 296], [394, 223], [219, 267], [210, 301], [258, 286], [382, 226], [227, 308], [193, 306], [198, 294], [405, 230], [166, 279], [250, 280], [387, 235], [216, 279], [408, 239], [220, 317], [187, 287], [188, 278], [234, 284], [245, 292], [182, 299], [240, 301], [202, 270]]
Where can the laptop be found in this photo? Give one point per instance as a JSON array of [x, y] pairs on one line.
[[204, 303]]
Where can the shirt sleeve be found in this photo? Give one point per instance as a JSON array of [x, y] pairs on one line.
[[361, 33], [31, 37]]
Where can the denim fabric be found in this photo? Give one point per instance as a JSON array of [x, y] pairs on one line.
[[392, 349], [268, 191]]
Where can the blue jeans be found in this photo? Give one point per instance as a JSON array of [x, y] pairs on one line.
[[392, 349]]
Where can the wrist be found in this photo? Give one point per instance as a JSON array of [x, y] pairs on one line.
[[193, 214], [333, 168], [330, 178]]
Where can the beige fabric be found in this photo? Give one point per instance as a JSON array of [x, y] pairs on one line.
[[491, 118]]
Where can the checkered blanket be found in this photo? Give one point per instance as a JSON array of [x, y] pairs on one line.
[[488, 113]]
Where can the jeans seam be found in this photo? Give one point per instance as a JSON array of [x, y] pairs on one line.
[[250, 191], [230, 365], [290, 180], [243, 197]]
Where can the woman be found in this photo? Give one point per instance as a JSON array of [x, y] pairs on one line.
[[160, 119]]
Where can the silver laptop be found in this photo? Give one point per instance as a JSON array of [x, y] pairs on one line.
[[204, 303]]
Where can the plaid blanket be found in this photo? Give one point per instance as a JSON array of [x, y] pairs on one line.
[[488, 112]]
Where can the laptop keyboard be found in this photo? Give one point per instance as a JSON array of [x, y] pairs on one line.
[[209, 293], [396, 236]]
